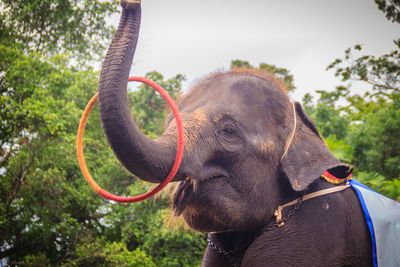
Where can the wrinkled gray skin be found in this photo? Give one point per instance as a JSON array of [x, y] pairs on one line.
[[237, 125]]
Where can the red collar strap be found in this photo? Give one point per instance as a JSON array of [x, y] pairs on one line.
[[334, 180]]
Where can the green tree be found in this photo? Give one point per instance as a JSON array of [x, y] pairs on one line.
[[375, 139], [374, 117], [375, 114], [149, 108], [391, 8], [382, 73], [331, 121], [57, 26], [44, 204]]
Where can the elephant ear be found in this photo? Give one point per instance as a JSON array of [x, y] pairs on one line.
[[308, 156]]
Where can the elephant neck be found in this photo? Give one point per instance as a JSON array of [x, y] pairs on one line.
[[233, 245]]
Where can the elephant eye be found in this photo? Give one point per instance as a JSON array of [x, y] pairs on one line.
[[228, 129]]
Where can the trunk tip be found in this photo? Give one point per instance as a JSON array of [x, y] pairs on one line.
[[130, 4]]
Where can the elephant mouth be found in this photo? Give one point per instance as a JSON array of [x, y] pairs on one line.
[[187, 187], [183, 188]]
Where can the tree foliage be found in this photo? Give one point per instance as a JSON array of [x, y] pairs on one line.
[[149, 107], [57, 26], [370, 122], [391, 8], [382, 73]]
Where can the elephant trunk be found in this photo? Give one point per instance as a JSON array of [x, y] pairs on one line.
[[148, 159]]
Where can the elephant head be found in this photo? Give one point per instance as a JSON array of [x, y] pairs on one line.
[[247, 147]]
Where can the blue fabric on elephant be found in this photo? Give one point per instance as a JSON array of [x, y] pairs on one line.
[[383, 219]]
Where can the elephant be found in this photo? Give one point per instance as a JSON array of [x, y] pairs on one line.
[[248, 149]]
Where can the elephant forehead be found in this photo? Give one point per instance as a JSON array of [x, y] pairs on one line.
[[256, 100], [199, 116], [238, 92], [194, 124]]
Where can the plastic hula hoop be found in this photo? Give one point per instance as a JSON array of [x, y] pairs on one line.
[[178, 157]]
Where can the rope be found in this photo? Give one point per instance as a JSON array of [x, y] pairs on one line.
[[291, 136], [178, 157], [278, 211]]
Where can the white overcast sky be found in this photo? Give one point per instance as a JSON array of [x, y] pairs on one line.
[[197, 37]]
